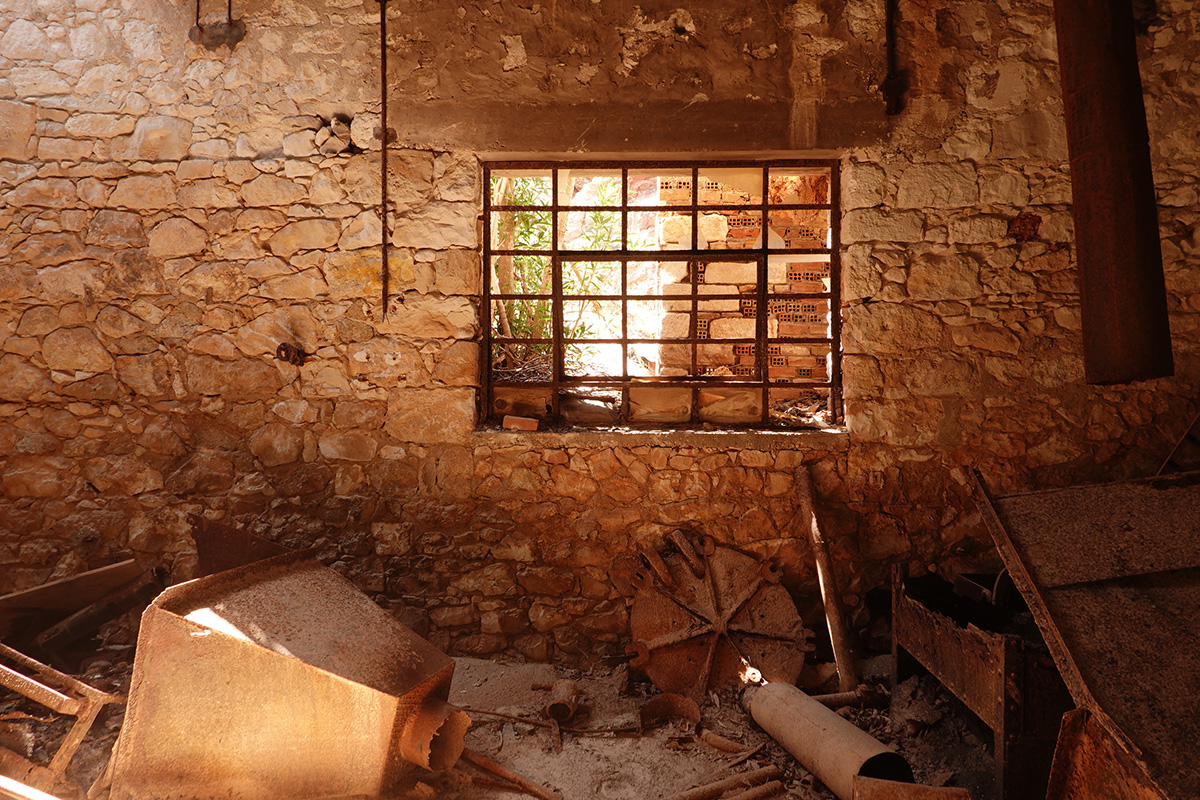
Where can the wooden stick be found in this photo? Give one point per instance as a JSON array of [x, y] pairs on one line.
[[835, 615], [715, 789], [527, 786]]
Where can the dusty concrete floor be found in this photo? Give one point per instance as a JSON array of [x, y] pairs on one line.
[[925, 724]]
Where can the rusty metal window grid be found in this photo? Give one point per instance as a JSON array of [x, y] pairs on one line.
[[824, 374]]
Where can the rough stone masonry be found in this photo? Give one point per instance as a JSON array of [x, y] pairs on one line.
[[170, 215]]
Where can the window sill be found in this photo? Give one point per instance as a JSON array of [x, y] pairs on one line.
[[807, 439]]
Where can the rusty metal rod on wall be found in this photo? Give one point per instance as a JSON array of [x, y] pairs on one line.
[[1123, 297], [383, 157]]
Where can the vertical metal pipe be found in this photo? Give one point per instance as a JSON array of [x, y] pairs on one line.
[[1126, 336], [383, 157]]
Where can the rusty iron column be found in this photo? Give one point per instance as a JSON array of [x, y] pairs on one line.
[[1126, 336]]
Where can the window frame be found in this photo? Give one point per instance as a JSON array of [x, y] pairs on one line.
[[559, 382]]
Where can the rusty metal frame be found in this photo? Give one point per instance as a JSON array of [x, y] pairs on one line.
[[1013, 688], [1109, 573], [694, 256], [60, 693]]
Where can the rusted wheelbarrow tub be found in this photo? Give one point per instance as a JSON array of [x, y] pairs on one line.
[[280, 679]]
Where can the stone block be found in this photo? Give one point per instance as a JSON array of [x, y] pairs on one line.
[[18, 121], [977, 229], [431, 416], [307, 285], [945, 275], [985, 337], [239, 380], [48, 192], [504, 621], [309, 234], [889, 328], [115, 229], [272, 191], [437, 226], [144, 192], [348, 446], [365, 230], [491, 581], [99, 126], [224, 280], [545, 618], [1035, 134], [871, 225], [208, 193], [938, 186], [146, 375], [75, 349], [36, 476], [21, 381], [275, 444], [549, 581], [24, 41], [63, 150], [160, 138], [863, 185], [177, 237], [731, 273]]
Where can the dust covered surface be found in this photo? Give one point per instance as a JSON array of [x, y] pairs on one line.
[[945, 745]]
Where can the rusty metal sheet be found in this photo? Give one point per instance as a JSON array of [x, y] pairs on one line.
[[280, 679], [220, 547], [701, 615], [1089, 762], [1096, 533], [1123, 630], [967, 661], [877, 789]]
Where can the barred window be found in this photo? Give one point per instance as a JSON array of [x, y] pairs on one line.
[[662, 294]]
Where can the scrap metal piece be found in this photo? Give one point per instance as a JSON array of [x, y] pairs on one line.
[[1009, 683], [564, 700], [1111, 574], [714, 613], [220, 547], [835, 616], [60, 693], [280, 679], [877, 789], [829, 746], [1089, 762], [87, 620], [50, 601], [710, 791]]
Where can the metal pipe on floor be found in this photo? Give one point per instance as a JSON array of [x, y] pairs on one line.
[[828, 746]]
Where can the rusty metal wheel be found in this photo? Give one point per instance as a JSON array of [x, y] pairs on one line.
[[702, 614]]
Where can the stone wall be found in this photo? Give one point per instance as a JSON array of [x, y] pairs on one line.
[[170, 215]]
